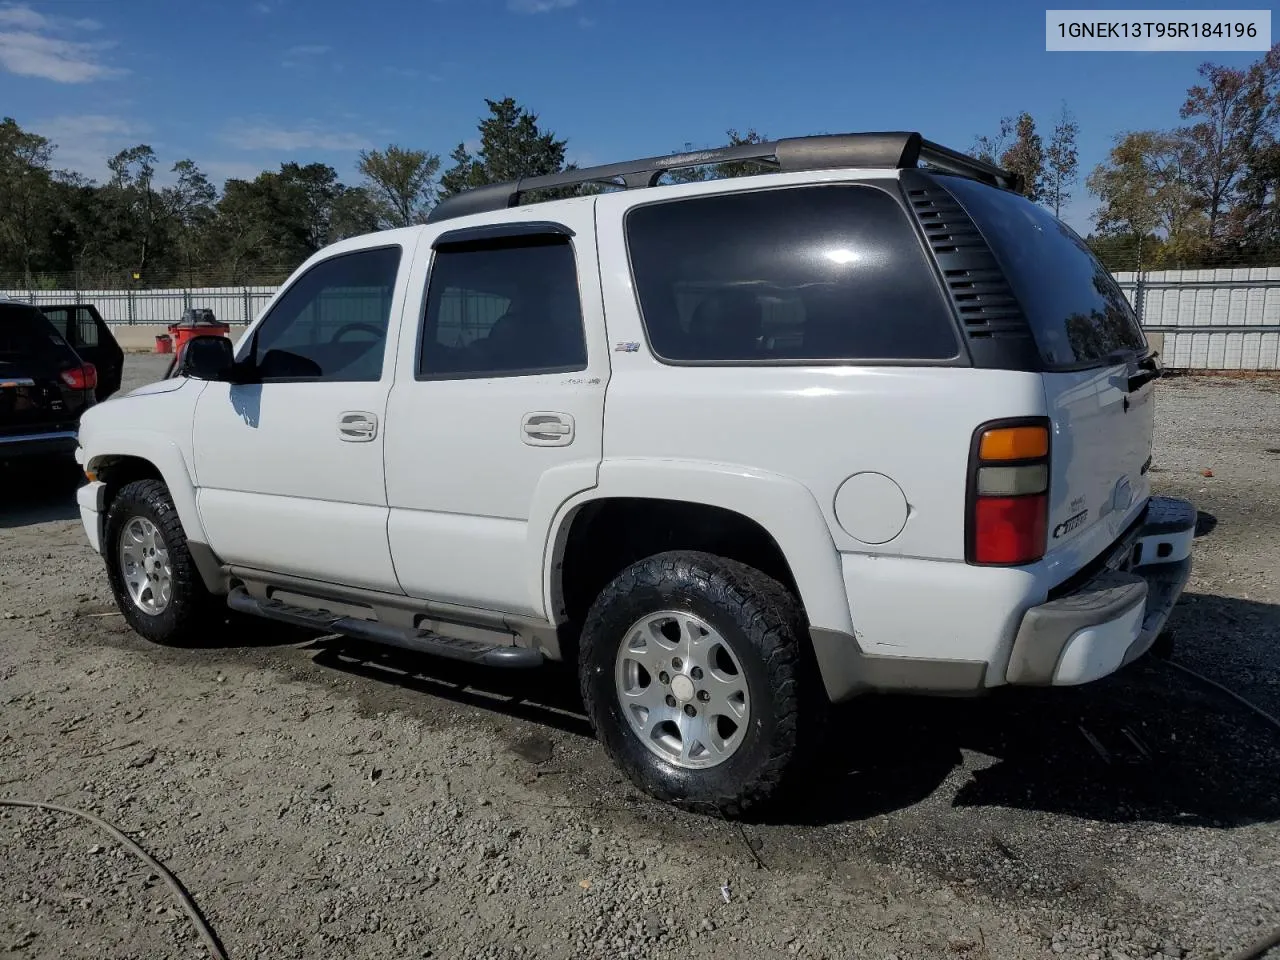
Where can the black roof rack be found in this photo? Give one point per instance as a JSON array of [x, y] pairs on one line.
[[888, 150]]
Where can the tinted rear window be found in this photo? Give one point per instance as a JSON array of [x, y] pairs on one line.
[[26, 335], [1078, 314], [819, 273]]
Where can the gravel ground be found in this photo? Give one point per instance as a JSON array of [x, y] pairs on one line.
[[323, 799]]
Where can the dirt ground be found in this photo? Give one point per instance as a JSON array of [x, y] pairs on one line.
[[322, 799]]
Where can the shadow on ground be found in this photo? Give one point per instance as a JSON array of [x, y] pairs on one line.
[[1148, 744], [34, 492]]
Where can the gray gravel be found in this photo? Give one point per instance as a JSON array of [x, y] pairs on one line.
[[324, 799]]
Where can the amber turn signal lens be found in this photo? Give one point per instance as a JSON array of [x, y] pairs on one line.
[[1014, 443]]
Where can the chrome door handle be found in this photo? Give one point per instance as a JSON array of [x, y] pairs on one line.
[[356, 426], [547, 429]]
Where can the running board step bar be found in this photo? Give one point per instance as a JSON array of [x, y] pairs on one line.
[[472, 651]]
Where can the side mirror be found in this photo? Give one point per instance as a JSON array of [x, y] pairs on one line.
[[207, 358]]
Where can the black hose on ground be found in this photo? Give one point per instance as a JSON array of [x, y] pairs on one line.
[[184, 899]]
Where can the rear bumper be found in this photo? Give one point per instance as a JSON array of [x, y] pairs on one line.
[[50, 443], [1114, 618]]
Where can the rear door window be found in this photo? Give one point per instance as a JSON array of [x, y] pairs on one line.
[[27, 336], [823, 274], [1077, 312]]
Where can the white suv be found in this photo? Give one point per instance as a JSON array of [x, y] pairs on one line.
[[739, 448]]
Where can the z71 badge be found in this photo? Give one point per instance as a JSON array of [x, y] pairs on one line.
[[1071, 523]]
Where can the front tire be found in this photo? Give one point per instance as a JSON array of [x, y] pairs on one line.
[[155, 582], [693, 674]]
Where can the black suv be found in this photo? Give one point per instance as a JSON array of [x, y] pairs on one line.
[[44, 385]]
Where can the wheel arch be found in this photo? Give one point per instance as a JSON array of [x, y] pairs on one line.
[[120, 459], [759, 518]]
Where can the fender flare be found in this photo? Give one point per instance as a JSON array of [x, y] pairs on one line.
[[165, 455], [783, 507]]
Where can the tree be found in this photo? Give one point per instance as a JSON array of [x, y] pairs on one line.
[[1142, 189], [1061, 162], [1255, 220], [512, 146], [137, 213], [401, 182], [25, 194], [1235, 114], [1026, 156], [991, 147], [355, 211], [189, 204]]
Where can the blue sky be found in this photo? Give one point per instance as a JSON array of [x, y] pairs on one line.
[[241, 85]]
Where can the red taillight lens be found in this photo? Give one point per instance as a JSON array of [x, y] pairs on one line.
[[1009, 529], [1009, 493], [83, 377]]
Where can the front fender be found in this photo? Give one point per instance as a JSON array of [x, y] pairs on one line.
[[166, 456], [784, 507]]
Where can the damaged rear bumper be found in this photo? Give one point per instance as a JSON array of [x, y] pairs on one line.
[[1114, 617]]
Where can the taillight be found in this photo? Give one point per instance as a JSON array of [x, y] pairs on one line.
[[1009, 493], [83, 377]]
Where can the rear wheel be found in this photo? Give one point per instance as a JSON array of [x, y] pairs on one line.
[[154, 579], [693, 675]]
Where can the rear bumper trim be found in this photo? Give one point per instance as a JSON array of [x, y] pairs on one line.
[[1116, 616]]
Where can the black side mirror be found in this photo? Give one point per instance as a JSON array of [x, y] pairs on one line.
[[207, 358]]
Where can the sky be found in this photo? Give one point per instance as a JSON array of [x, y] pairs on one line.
[[241, 85]]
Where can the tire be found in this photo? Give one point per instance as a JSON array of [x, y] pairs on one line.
[[762, 627], [188, 609]]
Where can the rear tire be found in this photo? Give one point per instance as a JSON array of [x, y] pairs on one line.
[[685, 647], [153, 577]]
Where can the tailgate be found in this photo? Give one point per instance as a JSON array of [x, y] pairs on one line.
[[1100, 457], [31, 404], [1095, 364]]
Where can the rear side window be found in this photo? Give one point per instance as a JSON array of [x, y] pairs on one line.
[[26, 335], [1077, 312], [502, 308], [831, 273], [85, 331]]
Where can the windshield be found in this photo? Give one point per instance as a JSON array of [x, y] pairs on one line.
[[1078, 314]]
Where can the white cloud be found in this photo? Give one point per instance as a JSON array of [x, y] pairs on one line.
[[280, 139], [539, 6], [86, 141], [33, 44]]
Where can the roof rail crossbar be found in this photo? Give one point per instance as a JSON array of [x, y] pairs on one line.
[[897, 150]]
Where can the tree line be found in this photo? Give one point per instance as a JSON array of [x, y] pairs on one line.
[[1201, 194]]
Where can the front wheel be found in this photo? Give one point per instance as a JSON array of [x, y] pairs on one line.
[[693, 675], [154, 580]]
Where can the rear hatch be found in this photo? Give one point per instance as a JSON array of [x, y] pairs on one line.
[[34, 396], [1099, 371]]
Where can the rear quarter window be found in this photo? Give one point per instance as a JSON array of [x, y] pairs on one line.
[[822, 274], [1078, 314]]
